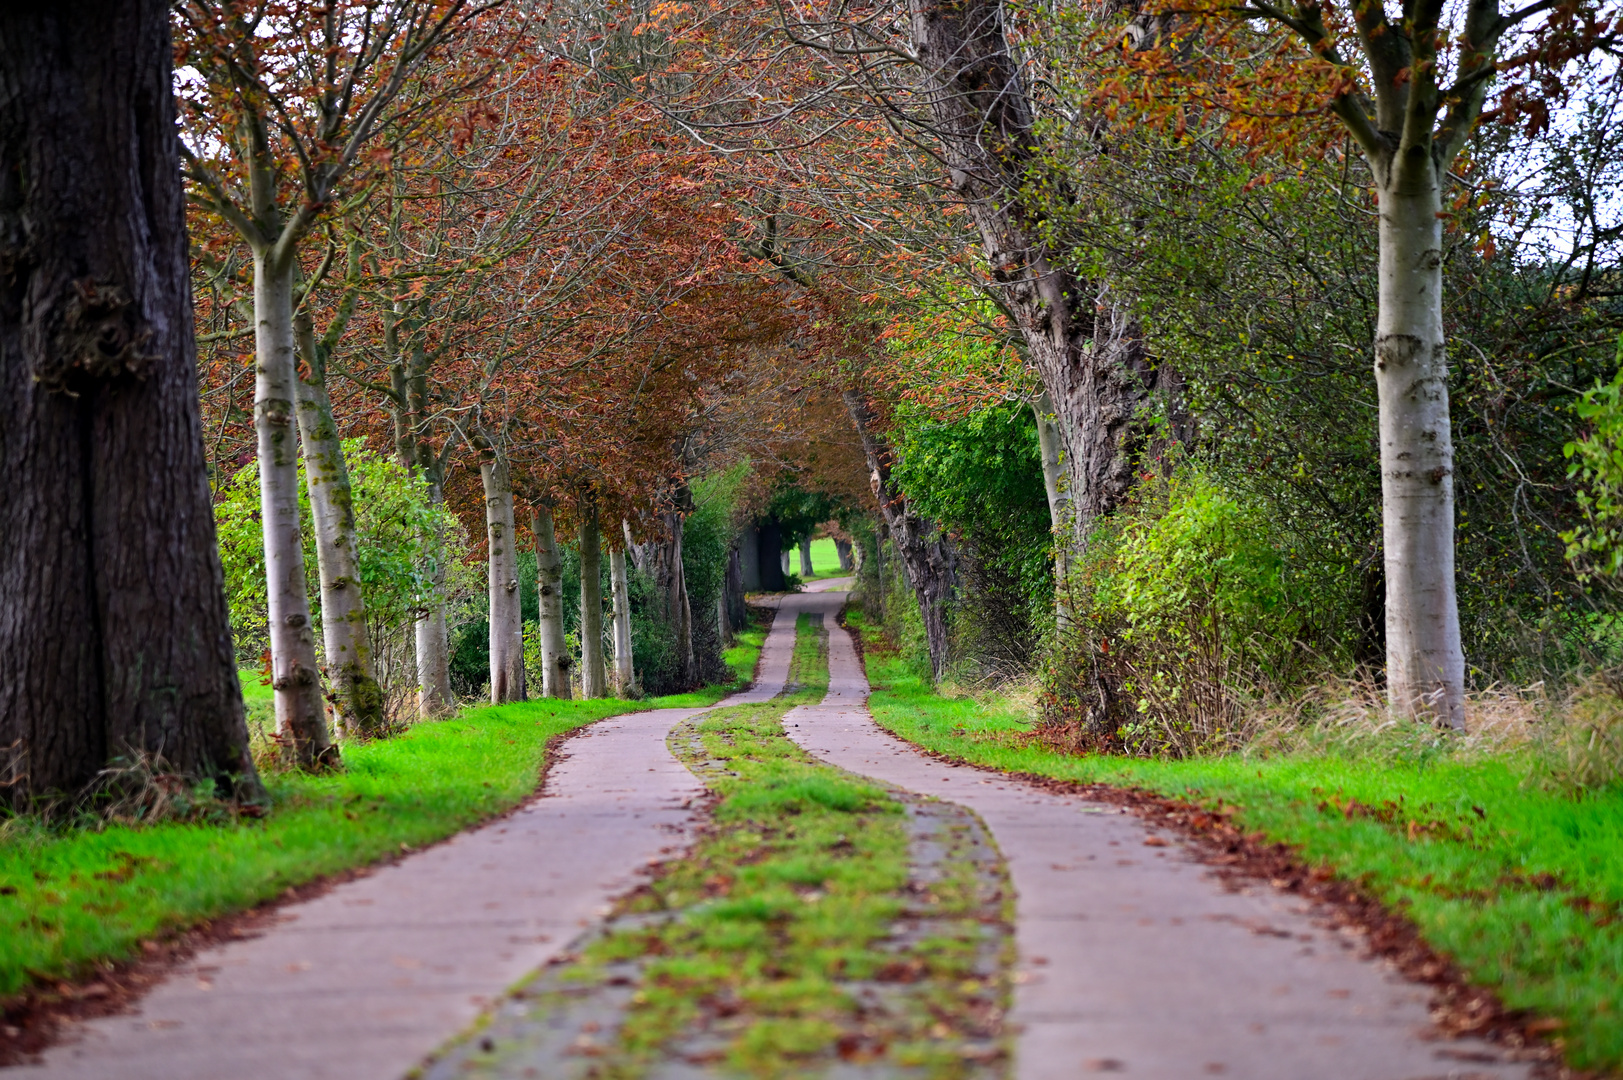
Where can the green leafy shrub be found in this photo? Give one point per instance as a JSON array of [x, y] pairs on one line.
[[883, 593], [1596, 461], [980, 477], [1190, 607], [393, 516]]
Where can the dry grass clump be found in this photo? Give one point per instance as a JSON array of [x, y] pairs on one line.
[[1350, 716], [141, 789], [1581, 744], [137, 788], [1022, 691], [1574, 742]]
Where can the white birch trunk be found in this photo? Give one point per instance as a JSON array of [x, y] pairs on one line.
[[625, 675], [347, 645], [432, 636], [432, 639], [506, 626], [1060, 525], [300, 717], [593, 674], [1048, 442], [805, 558], [1425, 665], [549, 567]]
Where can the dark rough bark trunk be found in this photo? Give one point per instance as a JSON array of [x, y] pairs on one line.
[[748, 550], [594, 678], [671, 578], [114, 636], [843, 549], [737, 614], [928, 560], [1088, 353], [769, 556]]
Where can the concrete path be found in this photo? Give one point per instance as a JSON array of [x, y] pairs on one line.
[[1132, 959], [364, 981]]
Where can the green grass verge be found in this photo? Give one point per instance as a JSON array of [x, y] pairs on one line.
[[258, 700], [741, 658], [1521, 886], [745, 952], [71, 898]]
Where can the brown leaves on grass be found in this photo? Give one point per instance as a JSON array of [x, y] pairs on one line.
[[1239, 858]]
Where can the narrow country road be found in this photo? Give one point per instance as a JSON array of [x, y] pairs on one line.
[[362, 982], [1132, 959]]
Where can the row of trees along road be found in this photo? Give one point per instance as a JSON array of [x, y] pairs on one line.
[[545, 284], [500, 242], [1022, 110], [522, 272]]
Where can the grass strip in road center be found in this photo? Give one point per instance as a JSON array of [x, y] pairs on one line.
[[795, 938]]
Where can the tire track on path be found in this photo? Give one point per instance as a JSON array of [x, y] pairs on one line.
[[364, 981], [1132, 958]]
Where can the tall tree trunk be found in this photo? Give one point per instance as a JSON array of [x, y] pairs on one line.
[[114, 637], [724, 608], [879, 557], [506, 620], [1425, 664], [783, 561], [928, 561], [737, 613], [431, 636], [408, 376], [549, 574], [805, 557], [1051, 449], [748, 548], [769, 556], [842, 548], [594, 681], [348, 647], [625, 674], [671, 577], [300, 716], [1086, 350]]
